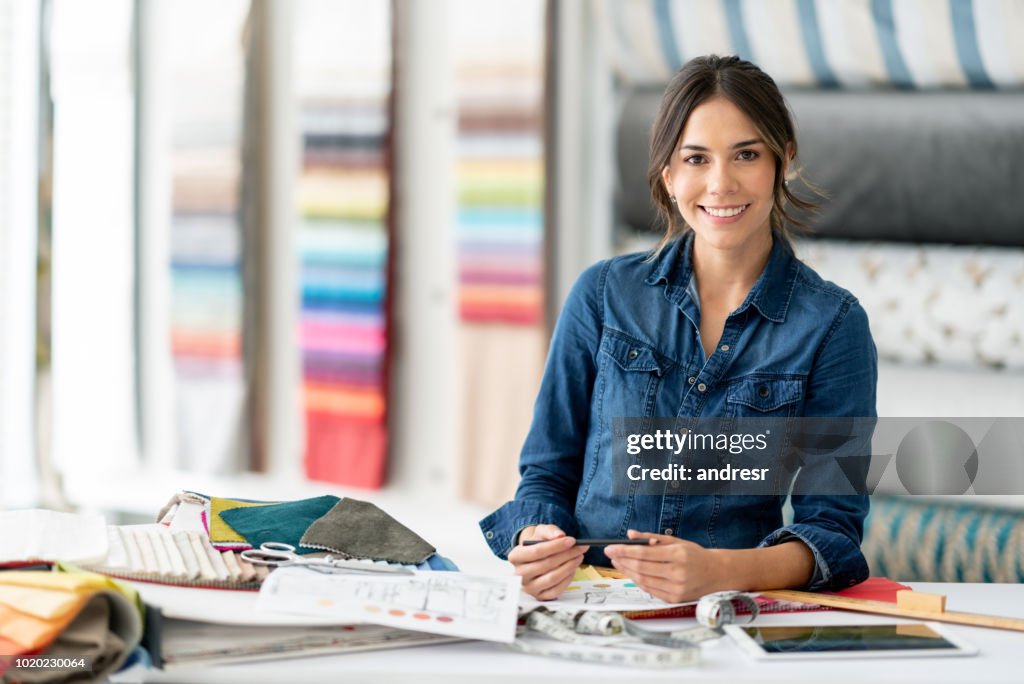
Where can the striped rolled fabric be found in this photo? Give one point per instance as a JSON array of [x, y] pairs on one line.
[[910, 540], [824, 43]]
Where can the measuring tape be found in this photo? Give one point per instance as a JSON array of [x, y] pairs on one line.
[[610, 638]]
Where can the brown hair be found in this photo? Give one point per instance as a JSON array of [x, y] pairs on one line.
[[756, 95]]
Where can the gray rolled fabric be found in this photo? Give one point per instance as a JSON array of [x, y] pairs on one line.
[[944, 166]]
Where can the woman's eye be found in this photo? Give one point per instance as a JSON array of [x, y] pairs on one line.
[[695, 159], [747, 155]]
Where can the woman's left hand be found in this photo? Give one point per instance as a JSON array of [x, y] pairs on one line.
[[672, 569]]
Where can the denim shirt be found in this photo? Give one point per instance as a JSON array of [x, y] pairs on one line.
[[627, 343]]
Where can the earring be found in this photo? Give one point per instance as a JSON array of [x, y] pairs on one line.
[[673, 198]]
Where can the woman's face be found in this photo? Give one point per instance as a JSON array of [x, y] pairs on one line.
[[722, 176]]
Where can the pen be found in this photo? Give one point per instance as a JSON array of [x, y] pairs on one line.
[[596, 542]]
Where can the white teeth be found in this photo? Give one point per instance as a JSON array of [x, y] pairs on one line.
[[726, 213]]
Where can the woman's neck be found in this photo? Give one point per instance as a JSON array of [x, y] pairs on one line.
[[726, 276]]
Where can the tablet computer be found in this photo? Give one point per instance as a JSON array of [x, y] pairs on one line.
[[787, 642]]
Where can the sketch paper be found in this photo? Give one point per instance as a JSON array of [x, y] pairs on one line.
[[604, 594], [450, 603]]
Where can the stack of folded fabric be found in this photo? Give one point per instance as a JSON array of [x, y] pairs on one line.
[[343, 83], [78, 619]]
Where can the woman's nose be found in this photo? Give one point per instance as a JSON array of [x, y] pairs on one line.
[[721, 180]]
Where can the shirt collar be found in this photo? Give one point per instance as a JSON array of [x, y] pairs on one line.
[[770, 295]]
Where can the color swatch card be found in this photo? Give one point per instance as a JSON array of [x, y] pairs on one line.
[[605, 594], [449, 603]]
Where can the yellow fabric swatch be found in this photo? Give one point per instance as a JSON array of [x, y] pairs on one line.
[[46, 604], [593, 573], [220, 531]]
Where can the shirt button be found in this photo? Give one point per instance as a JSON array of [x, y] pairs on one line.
[[675, 484], [691, 380], [633, 353], [724, 347], [490, 534], [762, 391], [701, 387], [668, 530]]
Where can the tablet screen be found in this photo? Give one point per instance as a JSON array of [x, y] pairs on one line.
[[846, 638]]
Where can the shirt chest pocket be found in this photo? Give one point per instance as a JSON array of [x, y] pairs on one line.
[[631, 373], [760, 396]]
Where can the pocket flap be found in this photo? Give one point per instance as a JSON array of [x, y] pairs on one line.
[[765, 394], [630, 355]]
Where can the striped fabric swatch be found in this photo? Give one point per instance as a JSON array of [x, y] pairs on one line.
[[911, 540], [825, 43], [343, 80], [207, 77], [500, 173]]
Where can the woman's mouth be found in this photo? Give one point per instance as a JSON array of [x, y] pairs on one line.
[[724, 212]]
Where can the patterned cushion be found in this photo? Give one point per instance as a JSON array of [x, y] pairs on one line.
[[828, 43], [909, 540]]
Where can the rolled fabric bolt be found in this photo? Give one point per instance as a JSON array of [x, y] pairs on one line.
[[163, 562], [206, 570], [248, 571], [131, 546], [234, 572], [188, 555], [216, 560], [173, 554]]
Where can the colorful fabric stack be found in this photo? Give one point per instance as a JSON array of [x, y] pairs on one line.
[[500, 173], [343, 79], [499, 55], [207, 72], [70, 615]]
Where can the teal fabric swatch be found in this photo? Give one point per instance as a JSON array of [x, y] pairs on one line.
[[283, 523]]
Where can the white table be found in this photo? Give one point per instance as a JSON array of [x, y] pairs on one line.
[[1001, 657]]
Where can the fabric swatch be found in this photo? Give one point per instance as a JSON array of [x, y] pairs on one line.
[[222, 534], [282, 523], [359, 529]]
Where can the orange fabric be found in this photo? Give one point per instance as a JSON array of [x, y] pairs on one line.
[[33, 633], [333, 399], [9, 648], [206, 344]]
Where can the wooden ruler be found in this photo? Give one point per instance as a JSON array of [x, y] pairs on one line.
[[910, 604]]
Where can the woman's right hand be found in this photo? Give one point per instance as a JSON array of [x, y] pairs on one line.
[[548, 568]]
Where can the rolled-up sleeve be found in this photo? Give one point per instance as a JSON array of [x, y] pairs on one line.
[[551, 461], [842, 384]]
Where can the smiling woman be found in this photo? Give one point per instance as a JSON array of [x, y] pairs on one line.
[[720, 320]]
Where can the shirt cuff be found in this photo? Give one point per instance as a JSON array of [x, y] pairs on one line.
[[502, 527], [838, 561]]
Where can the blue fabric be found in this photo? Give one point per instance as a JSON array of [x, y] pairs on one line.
[[888, 41], [438, 562], [627, 345], [737, 29], [808, 16], [966, 36], [663, 12]]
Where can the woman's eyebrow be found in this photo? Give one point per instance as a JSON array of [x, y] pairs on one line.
[[743, 143]]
